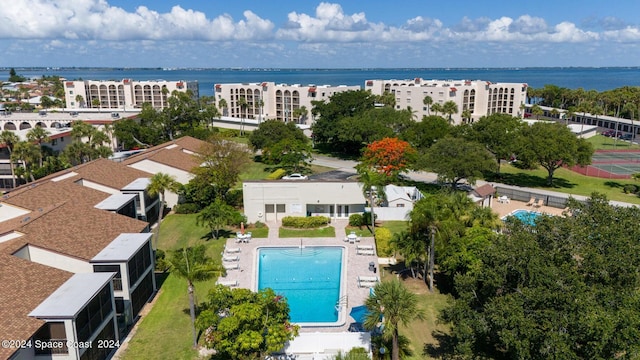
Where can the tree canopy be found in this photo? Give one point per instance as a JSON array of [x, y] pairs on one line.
[[553, 145], [454, 159], [389, 156], [240, 324], [566, 288], [499, 133]]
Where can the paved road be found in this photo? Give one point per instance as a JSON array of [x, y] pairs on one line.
[[348, 166]]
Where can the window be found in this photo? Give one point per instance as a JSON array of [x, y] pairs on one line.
[[70, 92], [141, 294], [269, 208], [117, 279], [54, 332], [281, 208], [399, 205], [140, 262], [93, 315]]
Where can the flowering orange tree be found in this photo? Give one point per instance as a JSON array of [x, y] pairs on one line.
[[389, 156]]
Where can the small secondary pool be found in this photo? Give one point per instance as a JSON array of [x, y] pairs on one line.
[[526, 216], [309, 277]]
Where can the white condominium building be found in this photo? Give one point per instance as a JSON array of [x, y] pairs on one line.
[[269, 100], [479, 97], [124, 94]]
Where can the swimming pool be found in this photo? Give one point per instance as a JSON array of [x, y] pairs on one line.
[[526, 216], [309, 277]]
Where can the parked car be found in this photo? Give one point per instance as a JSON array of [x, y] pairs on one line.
[[295, 176], [612, 133], [626, 137]]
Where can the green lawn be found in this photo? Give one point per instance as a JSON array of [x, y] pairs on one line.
[[327, 232], [420, 332], [395, 226], [568, 182], [601, 142], [165, 332]]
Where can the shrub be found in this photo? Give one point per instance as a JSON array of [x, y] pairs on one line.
[[234, 197], [162, 264], [366, 218], [302, 222], [277, 174], [383, 241], [259, 225], [356, 220], [630, 189], [186, 208]]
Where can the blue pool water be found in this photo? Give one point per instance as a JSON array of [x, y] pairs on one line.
[[526, 216], [308, 277]]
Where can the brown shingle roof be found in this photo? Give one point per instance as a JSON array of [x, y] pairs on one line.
[[78, 231], [485, 190], [177, 154], [42, 194], [24, 286], [101, 171]]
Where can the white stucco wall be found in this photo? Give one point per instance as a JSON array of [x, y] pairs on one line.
[[152, 167], [58, 261], [300, 196]]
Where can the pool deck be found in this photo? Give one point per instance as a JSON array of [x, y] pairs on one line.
[[504, 209], [356, 265]]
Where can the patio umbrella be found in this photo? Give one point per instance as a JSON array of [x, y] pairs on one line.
[[359, 313], [242, 227]]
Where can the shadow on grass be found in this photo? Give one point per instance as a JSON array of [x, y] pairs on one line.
[[161, 276], [527, 180], [443, 349], [222, 234], [614, 184]]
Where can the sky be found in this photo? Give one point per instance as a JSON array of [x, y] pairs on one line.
[[313, 34]]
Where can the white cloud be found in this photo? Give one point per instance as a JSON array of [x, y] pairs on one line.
[[91, 26]]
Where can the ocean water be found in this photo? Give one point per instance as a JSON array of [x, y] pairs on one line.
[[599, 79]]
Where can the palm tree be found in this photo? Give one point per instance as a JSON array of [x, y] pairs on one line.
[[395, 305], [224, 106], [537, 111], [96, 104], [466, 115], [26, 152], [428, 101], [79, 100], [9, 139], [38, 135], [372, 182], [193, 265], [450, 108], [159, 184], [436, 108], [261, 108], [242, 103]]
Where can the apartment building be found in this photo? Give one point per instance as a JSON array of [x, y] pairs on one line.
[[479, 97], [76, 261], [268, 100], [124, 94]]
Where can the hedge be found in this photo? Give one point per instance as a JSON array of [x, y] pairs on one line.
[[277, 174], [302, 222]]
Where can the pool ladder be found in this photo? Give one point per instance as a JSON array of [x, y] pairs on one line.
[[343, 301]]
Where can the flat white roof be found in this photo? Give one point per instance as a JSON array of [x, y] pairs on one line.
[[123, 247], [328, 343], [138, 184], [8, 212], [71, 296], [64, 176], [115, 201]]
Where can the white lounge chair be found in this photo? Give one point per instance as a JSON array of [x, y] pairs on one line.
[[364, 247], [367, 281], [232, 250], [531, 201], [229, 283], [232, 266], [538, 203], [230, 258], [366, 252]]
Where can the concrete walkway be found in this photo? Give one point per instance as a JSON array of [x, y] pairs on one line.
[[356, 265]]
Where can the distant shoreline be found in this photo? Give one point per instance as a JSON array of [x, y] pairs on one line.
[[46, 68]]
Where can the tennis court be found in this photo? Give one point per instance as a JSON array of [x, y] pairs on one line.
[[612, 164]]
